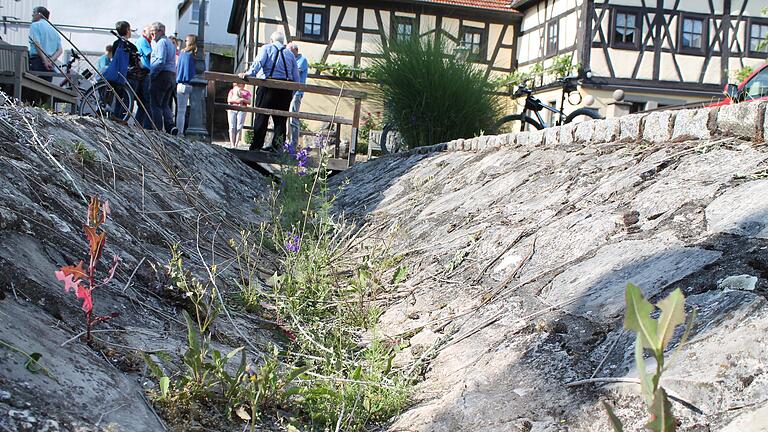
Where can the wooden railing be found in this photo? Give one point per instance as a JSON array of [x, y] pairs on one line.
[[336, 163]]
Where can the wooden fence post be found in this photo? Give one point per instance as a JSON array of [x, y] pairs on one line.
[[210, 106], [355, 129]]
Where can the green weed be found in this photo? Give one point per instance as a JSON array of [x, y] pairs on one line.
[[653, 335], [83, 154], [432, 96]]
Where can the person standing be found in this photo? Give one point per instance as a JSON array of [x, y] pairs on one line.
[[144, 45], [303, 65], [238, 96], [117, 70], [43, 35], [274, 61], [185, 71], [105, 59], [162, 75]]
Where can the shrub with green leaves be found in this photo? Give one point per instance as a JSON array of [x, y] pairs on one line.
[[741, 74], [654, 335], [431, 96]]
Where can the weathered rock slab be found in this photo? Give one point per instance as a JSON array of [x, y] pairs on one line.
[[742, 210]]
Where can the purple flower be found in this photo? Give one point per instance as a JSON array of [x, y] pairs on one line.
[[289, 148], [319, 141], [293, 244]]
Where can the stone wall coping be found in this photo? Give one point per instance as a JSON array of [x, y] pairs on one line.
[[746, 120]]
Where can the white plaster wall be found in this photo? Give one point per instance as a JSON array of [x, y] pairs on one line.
[[350, 18], [697, 6], [217, 12], [90, 13]]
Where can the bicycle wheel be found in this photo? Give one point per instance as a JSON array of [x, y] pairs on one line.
[[101, 101], [524, 120], [583, 114], [386, 147]]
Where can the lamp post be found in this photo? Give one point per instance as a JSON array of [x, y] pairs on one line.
[[197, 104]]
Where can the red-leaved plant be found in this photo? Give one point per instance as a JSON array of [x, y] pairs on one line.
[[83, 281]]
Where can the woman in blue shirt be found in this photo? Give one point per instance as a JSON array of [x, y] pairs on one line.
[[185, 71], [105, 59]]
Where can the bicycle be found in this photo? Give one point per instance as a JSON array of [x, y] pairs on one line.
[[102, 101], [534, 104]]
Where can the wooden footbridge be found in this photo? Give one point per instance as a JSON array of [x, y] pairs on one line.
[[338, 161]]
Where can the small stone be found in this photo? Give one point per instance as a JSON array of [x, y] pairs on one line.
[[607, 130], [566, 133], [694, 124], [552, 136], [584, 131], [536, 138], [743, 120], [630, 128], [521, 138], [49, 426], [522, 391], [657, 126], [22, 416], [5, 396], [740, 282], [631, 217], [482, 141]]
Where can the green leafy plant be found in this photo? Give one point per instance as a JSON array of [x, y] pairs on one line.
[[83, 281], [267, 386], [654, 336], [32, 363], [538, 74], [83, 153], [431, 96], [247, 250], [370, 121], [248, 137], [340, 70], [741, 74]]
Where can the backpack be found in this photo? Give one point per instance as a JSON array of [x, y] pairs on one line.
[[117, 71]]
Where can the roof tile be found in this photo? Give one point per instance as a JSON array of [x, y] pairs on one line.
[[505, 5]]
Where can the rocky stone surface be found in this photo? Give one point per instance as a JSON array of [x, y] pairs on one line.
[[518, 249], [161, 191], [519, 259]]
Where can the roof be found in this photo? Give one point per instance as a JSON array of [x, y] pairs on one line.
[[504, 5], [494, 7], [523, 4]]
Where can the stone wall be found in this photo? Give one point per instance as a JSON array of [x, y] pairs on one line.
[[519, 248], [745, 120]]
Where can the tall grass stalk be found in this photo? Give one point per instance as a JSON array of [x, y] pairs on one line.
[[432, 95]]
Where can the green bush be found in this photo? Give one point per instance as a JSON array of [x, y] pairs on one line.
[[432, 96], [248, 137]]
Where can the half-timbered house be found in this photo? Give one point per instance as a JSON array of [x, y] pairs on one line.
[[353, 32], [660, 52]]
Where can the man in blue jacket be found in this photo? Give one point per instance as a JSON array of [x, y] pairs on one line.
[[144, 45], [162, 75], [274, 61]]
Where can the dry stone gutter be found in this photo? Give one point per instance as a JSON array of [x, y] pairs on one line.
[[162, 191], [519, 248]]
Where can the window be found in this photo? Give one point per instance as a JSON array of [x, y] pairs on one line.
[[626, 30], [313, 24], [473, 42], [692, 34], [553, 31], [757, 87], [758, 38], [403, 28]]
